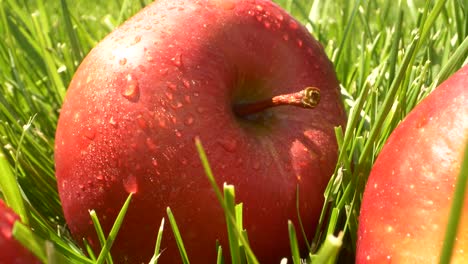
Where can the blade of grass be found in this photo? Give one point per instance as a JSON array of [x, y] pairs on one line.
[[231, 227], [177, 236], [103, 255], [456, 210], [100, 233], [296, 257], [229, 215], [157, 248]]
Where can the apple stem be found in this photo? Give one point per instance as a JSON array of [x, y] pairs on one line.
[[307, 98]]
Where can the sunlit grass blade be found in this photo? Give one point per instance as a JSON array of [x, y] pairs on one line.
[[229, 215], [178, 237], [10, 189], [219, 255], [231, 227], [296, 256], [32, 242], [105, 252], [100, 233], [157, 248], [456, 210], [328, 252]]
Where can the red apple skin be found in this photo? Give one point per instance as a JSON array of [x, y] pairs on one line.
[[170, 74], [11, 251], [407, 199]]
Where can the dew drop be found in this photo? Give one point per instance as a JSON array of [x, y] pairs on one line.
[[177, 133], [131, 91], [81, 186], [228, 144], [172, 86], [162, 123], [293, 25], [177, 105], [130, 184], [201, 109], [259, 8], [150, 144], [142, 122], [267, 25], [279, 17], [154, 162], [90, 133], [169, 95], [164, 71], [123, 61], [259, 18], [136, 40], [173, 119], [299, 43], [187, 99], [196, 94], [186, 83], [177, 60], [256, 165], [189, 120], [100, 177], [286, 37]]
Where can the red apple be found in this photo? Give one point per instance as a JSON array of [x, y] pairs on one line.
[[407, 199], [11, 251], [183, 69]]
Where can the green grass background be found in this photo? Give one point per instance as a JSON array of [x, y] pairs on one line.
[[388, 56]]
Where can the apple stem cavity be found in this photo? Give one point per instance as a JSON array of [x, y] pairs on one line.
[[306, 98]]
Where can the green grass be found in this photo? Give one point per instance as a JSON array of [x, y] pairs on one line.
[[388, 56]]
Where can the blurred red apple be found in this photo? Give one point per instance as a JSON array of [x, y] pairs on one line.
[[183, 69], [11, 251], [407, 199]]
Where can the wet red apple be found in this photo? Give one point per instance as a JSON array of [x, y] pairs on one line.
[[210, 69], [11, 251], [407, 199]]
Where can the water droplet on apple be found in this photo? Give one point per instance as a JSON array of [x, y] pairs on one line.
[[169, 95], [186, 83], [259, 7], [187, 99], [256, 165], [90, 133], [154, 162], [279, 17], [286, 37], [177, 105], [177, 60], [196, 94], [228, 144], [267, 25], [99, 177], [189, 120], [164, 72], [141, 122], [201, 109], [177, 133], [172, 86], [150, 144], [136, 39], [162, 123], [184, 161], [131, 91], [259, 18], [299, 42], [123, 61], [130, 184], [293, 25], [250, 12]]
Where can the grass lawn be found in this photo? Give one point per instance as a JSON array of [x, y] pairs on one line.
[[388, 56]]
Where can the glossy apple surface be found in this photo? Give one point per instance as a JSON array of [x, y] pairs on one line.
[[11, 251], [407, 199], [172, 73]]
